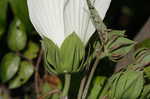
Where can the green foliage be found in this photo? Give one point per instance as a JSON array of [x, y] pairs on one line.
[[17, 37], [9, 66], [118, 46], [146, 92], [25, 72], [3, 11], [65, 59], [19, 8], [97, 86], [147, 72], [129, 82], [32, 50]]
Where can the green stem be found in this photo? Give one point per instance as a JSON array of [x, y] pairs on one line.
[[66, 86], [90, 79]]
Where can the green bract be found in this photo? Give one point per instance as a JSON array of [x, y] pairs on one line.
[[25, 72], [118, 46], [9, 66], [67, 58], [17, 36]]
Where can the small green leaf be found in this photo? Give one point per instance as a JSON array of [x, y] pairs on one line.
[[9, 66], [25, 72], [32, 50], [17, 37], [97, 86]]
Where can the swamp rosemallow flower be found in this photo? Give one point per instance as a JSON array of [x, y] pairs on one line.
[[56, 20]]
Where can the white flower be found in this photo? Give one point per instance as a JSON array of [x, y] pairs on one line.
[[56, 19]]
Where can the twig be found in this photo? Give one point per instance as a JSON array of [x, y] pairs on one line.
[[82, 85], [90, 78], [37, 74], [49, 93], [24, 57]]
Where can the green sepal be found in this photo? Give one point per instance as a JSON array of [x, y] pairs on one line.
[[9, 66], [17, 36], [129, 82], [117, 32], [118, 46], [72, 52], [52, 57], [142, 56], [65, 59], [25, 72]]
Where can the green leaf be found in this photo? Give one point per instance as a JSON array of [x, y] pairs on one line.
[[146, 92], [25, 72], [97, 86], [113, 79], [9, 66], [72, 52], [17, 37], [129, 82], [20, 10], [3, 16], [32, 50]]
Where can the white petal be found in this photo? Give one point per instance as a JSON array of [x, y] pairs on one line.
[[102, 7], [77, 19], [47, 18]]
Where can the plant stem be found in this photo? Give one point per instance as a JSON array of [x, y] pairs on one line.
[[36, 76], [90, 78], [66, 86], [82, 85]]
